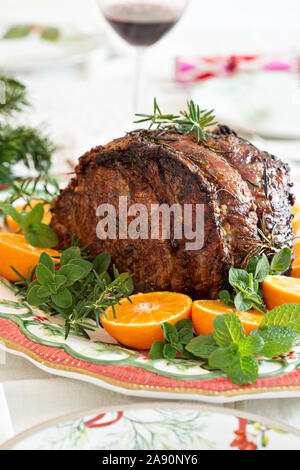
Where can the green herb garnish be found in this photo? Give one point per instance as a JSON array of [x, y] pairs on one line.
[[247, 292], [193, 119], [228, 349], [78, 291], [34, 230], [175, 339]]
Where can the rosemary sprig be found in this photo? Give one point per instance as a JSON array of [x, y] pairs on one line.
[[43, 188], [193, 119]]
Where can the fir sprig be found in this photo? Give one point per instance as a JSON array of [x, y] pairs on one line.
[[23, 144], [14, 96], [20, 143], [193, 120]]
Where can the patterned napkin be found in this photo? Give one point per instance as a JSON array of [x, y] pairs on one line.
[[6, 428], [193, 69]]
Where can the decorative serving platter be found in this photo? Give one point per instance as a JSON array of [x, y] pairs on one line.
[[30, 334], [158, 426]]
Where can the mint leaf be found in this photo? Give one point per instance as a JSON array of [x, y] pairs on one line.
[[277, 340], [184, 323], [221, 358], [41, 236], [225, 296], [242, 370], [252, 344], [8, 209], [283, 315], [227, 329], [262, 268], [251, 266], [156, 351], [34, 216], [35, 232], [281, 261], [185, 335], [170, 332], [238, 278], [241, 303], [202, 346], [169, 351]]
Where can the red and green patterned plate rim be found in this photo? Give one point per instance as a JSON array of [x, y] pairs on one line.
[[159, 426], [31, 334]]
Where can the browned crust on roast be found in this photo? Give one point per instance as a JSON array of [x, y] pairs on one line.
[[147, 171], [268, 179]]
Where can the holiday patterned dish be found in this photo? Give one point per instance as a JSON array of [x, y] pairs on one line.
[[159, 427], [30, 334]]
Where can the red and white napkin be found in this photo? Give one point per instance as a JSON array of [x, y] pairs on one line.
[[196, 68]]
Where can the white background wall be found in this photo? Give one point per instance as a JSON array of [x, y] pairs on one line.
[[208, 26]]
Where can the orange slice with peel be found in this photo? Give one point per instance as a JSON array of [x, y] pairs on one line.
[[296, 219], [138, 324], [14, 227], [280, 290], [205, 311], [296, 263], [15, 251]]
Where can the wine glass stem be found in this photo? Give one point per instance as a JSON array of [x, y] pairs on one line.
[[139, 79]]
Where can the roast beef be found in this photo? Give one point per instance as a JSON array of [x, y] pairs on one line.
[[246, 195]]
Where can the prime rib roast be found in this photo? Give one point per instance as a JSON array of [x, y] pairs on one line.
[[246, 194]]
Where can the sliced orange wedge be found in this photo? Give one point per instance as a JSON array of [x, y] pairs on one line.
[[15, 251], [205, 311], [138, 324], [296, 219], [296, 263], [14, 227], [280, 290]]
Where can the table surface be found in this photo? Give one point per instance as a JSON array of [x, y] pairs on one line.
[[84, 106]]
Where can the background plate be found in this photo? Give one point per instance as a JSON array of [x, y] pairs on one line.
[[262, 103], [161, 427], [31, 52]]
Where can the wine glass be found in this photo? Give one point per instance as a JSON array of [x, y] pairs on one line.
[[142, 23]]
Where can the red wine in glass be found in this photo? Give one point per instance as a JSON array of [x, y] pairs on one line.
[[141, 24]]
